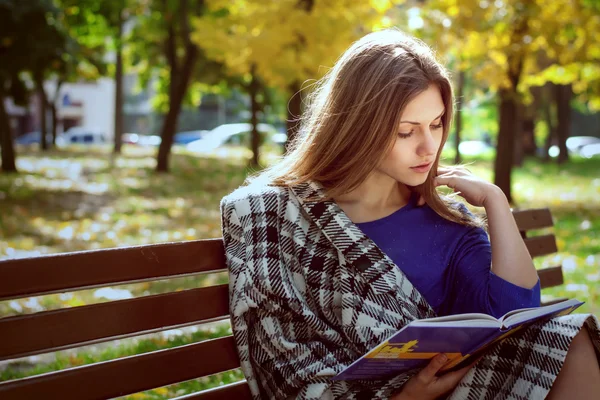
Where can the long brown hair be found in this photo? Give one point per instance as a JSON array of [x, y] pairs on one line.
[[352, 117]]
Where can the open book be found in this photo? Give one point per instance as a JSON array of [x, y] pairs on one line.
[[458, 336]]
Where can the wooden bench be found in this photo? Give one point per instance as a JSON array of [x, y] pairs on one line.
[[50, 331]]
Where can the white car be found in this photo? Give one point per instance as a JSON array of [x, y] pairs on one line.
[[590, 150], [580, 145], [81, 135], [236, 134]]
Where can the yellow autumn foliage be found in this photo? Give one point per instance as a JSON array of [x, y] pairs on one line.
[[282, 40]]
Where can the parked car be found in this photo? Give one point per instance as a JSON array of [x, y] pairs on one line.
[[81, 135], [32, 138], [590, 150], [231, 134], [149, 140], [130, 138], [576, 145], [473, 147], [141, 140], [188, 136]]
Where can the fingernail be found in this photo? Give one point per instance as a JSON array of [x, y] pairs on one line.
[[444, 358]]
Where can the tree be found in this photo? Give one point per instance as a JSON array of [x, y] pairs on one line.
[[98, 20], [458, 119], [282, 41], [31, 39], [162, 52], [502, 41]]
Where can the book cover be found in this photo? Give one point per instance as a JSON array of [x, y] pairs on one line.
[[458, 336]]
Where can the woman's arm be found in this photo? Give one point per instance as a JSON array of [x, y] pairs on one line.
[[510, 258]]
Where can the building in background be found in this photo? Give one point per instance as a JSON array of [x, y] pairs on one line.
[[91, 105]]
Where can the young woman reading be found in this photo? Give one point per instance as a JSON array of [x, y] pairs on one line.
[[346, 240]]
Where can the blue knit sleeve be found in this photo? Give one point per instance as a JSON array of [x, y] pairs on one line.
[[475, 288]]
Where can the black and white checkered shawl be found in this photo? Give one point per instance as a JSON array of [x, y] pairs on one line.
[[310, 293]]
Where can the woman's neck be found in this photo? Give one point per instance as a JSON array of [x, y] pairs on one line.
[[374, 199]]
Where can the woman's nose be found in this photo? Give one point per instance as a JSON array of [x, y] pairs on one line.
[[428, 145]]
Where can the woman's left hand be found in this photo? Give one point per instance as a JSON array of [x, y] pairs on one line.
[[474, 190]]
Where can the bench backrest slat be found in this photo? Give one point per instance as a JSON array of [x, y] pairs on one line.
[[53, 330], [127, 375], [533, 219], [541, 245], [97, 268], [550, 277]]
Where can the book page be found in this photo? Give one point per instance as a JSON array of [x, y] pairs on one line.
[[531, 314], [462, 317]]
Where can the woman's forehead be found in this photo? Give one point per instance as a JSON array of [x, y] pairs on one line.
[[426, 106]]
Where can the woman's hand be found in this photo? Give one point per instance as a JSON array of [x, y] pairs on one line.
[[427, 386], [475, 190]]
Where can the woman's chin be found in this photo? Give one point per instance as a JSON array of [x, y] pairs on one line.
[[413, 180]]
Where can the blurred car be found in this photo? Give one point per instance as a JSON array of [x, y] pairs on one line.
[[231, 134], [32, 138], [81, 135], [149, 140], [188, 136], [575, 145], [473, 147], [130, 138], [141, 140], [590, 150]]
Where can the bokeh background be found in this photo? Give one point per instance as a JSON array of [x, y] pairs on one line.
[[125, 122]]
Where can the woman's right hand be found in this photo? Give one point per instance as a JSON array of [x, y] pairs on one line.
[[426, 385]]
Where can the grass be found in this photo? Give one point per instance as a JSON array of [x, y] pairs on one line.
[[78, 199]]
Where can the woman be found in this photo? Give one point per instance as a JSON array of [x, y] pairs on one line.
[[346, 240]]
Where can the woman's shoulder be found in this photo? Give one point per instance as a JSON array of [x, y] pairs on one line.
[[259, 192]]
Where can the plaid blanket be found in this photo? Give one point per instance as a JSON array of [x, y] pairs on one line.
[[310, 293]]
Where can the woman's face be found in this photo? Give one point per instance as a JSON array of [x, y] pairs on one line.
[[418, 139]]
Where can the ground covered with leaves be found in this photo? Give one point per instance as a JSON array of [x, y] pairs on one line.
[[79, 199]]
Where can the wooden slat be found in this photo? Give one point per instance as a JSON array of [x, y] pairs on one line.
[[548, 303], [96, 268], [550, 277], [238, 391], [71, 327], [541, 245], [128, 375], [533, 219]]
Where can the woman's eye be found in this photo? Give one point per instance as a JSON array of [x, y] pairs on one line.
[[405, 135], [439, 126]]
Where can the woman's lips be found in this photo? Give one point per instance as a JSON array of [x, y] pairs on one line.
[[422, 168]]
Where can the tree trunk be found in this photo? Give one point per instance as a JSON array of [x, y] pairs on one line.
[[505, 146], [550, 123], [529, 144], [254, 107], [294, 114], [518, 135], [52, 105], [563, 108], [459, 102], [118, 125], [170, 123], [39, 84], [7, 150], [54, 122]]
